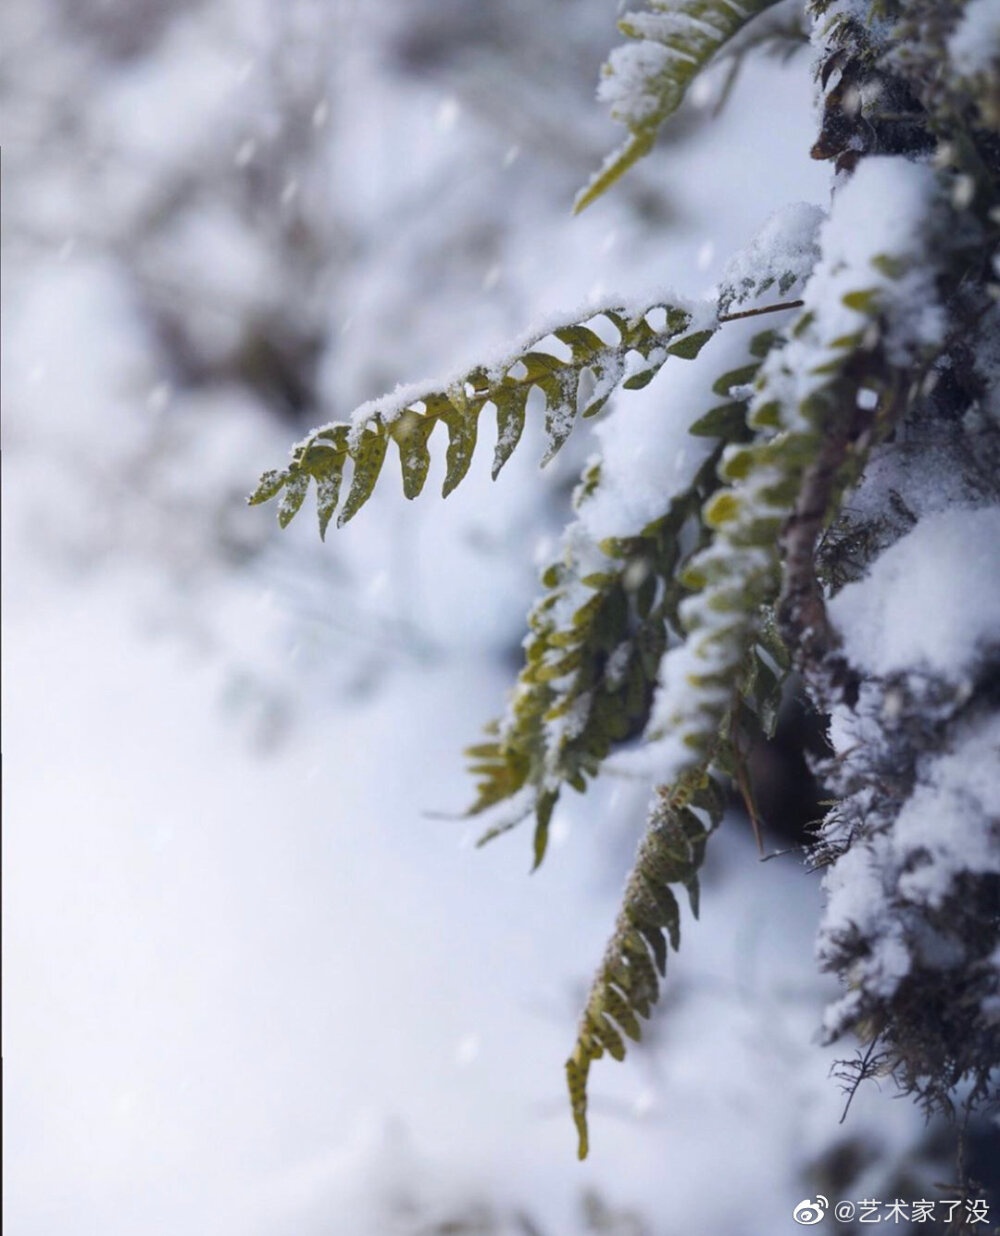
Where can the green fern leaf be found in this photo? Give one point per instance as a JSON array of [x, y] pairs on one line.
[[626, 985], [597, 638], [410, 433], [296, 488], [645, 81], [368, 458], [511, 404], [638, 350]]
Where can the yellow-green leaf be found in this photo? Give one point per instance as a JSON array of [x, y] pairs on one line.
[[368, 458]]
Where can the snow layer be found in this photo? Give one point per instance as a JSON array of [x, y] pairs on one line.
[[949, 827], [647, 451], [857, 889], [930, 602], [878, 257], [975, 42], [951, 822], [632, 88], [784, 251]]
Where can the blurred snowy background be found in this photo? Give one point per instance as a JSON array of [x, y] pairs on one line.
[[253, 984]]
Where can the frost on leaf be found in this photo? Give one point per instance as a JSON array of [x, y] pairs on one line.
[[577, 385], [646, 79]]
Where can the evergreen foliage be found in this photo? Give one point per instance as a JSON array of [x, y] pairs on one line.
[[882, 359]]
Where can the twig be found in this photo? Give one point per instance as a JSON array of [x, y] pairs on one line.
[[746, 794], [863, 1074], [753, 313]]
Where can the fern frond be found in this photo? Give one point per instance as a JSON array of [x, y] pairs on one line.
[[643, 340], [592, 655], [598, 635], [645, 81], [626, 985]]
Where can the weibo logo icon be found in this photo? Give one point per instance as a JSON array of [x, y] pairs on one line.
[[808, 1212]]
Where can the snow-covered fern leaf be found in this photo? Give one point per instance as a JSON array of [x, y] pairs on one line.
[[573, 366], [598, 635], [596, 639], [627, 985], [646, 79]]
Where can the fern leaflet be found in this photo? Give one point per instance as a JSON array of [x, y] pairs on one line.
[[645, 81]]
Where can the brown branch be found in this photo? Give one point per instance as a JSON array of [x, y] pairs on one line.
[[801, 609], [744, 786], [753, 313], [801, 613], [746, 793]]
